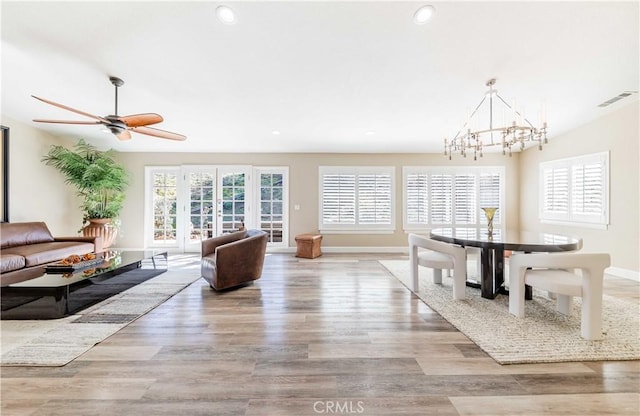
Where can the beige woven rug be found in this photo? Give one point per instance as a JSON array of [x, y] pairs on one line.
[[544, 335], [56, 342]]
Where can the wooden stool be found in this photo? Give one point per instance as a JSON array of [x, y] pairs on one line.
[[308, 246]]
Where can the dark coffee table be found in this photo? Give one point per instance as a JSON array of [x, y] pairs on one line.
[[56, 295]]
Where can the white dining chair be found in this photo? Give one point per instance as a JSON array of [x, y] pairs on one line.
[[555, 274], [438, 256]]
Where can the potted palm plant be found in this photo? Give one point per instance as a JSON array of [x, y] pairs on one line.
[[99, 180]]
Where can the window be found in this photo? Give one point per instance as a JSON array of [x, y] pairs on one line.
[[451, 196], [356, 199], [575, 191]]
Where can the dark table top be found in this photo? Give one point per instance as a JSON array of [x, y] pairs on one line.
[[507, 239], [114, 259]]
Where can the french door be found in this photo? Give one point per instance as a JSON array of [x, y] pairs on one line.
[[216, 202], [187, 204]]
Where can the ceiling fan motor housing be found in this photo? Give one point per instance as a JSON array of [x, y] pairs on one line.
[[115, 125]]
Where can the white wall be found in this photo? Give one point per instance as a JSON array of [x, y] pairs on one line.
[[618, 133], [37, 192]]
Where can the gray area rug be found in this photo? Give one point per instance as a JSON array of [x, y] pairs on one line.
[[543, 336], [57, 342]]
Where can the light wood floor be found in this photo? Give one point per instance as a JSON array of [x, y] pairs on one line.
[[334, 335]]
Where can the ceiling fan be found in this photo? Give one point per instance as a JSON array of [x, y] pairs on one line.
[[120, 126]]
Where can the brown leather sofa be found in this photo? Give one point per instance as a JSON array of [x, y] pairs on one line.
[[233, 259], [27, 247]]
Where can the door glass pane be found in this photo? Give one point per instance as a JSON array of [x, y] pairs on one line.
[[164, 208], [233, 202], [202, 205], [271, 197]]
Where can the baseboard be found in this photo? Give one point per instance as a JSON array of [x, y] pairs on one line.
[[331, 249], [624, 273]]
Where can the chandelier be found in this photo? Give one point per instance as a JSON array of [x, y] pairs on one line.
[[516, 129]]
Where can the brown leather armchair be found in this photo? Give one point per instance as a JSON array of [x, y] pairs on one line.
[[233, 259]]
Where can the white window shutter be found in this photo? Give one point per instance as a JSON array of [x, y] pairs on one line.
[[417, 199], [357, 199], [575, 190], [465, 199], [339, 199], [441, 199], [374, 199], [490, 196]]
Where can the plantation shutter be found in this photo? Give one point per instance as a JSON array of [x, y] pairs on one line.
[[575, 189], [374, 199], [356, 198], [417, 199], [490, 196], [441, 199], [465, 199], [338, 199], [451, 197], [556, 191], [587, 192]]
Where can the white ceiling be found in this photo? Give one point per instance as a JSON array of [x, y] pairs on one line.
[[322, 73]]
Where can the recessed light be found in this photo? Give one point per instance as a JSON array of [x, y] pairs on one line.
[[423, 14], [276, 132], [370, 133], [226, 15]]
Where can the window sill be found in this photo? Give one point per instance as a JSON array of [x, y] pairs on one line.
[[358, 231], [576, 224]]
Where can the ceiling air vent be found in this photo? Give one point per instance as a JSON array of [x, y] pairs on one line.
[[617, 98]]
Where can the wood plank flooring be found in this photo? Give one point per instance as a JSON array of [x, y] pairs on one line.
[[333, 335]]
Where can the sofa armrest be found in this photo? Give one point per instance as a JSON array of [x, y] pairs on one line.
[[96, 240]]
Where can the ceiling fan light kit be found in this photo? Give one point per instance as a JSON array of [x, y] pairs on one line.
[[516, 129], [120, 126]]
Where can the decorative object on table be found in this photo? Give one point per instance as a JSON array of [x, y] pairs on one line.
[[120, 126], [490, 214], [74, 263], [100, 182], [515, 129]]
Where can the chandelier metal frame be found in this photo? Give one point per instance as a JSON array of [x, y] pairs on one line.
[[518, 132]]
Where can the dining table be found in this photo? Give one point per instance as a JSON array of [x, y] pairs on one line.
[[493, 246]]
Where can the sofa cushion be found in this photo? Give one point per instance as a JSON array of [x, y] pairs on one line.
[[21, 233], [9, 262], [42, 253]]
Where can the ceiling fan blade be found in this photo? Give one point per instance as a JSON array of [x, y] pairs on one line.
[[103, 120], [67, 121], [125, 135], [139, 120], [159, 133]]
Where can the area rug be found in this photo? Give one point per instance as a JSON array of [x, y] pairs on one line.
[[544, 335], [59, 341]]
